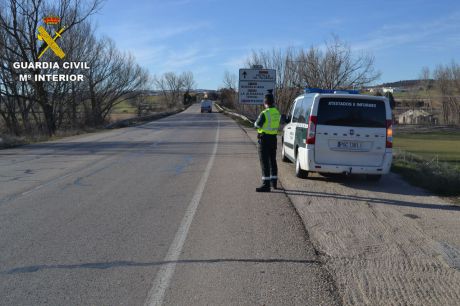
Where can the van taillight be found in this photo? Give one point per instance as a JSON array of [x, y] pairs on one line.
[[389, 143], [311, 133]]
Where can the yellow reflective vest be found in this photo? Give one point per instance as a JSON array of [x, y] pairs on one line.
[[272, 121]]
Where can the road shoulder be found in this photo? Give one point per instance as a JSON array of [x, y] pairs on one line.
[[383, 243]]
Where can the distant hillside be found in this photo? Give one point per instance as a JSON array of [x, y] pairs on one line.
[[404, 83]]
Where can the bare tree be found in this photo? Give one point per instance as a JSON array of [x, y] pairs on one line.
[[287, 73], [173, 86], [113, 77], [425, 78], [160, 85], [189, 84], [288, 82], [228, 94], [19, 21], [229, 80], [445, 77], [455, 70], [455, 73], [188, 80], [336, 67]]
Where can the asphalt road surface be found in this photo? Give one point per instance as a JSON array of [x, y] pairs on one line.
[[163, 213]]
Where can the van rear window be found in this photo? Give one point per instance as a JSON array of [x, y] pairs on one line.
[[351, 112]]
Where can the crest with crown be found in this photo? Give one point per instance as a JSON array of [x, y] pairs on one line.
[[53, 20]]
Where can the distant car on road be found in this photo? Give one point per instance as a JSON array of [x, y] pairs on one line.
[[338, 132], [206, 106]]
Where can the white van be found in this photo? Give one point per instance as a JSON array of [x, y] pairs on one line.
[[206, 106], [339, 132]]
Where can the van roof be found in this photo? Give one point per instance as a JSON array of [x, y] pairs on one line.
[[344, 95], [331, 91]]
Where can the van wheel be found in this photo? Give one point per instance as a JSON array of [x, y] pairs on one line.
[[373, 177], [283, 154], [298, 171]]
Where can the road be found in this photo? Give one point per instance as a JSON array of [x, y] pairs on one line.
[[163, 213]]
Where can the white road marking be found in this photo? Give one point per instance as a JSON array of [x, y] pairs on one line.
[[164, 276], [46, 184]]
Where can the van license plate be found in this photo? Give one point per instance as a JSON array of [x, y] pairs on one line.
[[350, 145]]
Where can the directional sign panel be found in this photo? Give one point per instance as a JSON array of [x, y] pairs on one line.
[[254, 84]]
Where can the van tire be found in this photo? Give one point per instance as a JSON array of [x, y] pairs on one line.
[[298, 171], [373, 177], [283, 154]]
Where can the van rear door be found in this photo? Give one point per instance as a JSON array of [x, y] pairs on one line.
[[350, 131], [206, 104]]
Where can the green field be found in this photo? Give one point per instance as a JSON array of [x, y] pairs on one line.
[[423, 94], [125, 107], [430, 160], [443, 146]]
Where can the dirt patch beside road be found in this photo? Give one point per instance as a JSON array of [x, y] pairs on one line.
[[118, 117], [385, 243]]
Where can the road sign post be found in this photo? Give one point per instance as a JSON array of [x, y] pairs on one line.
[[254, 84]]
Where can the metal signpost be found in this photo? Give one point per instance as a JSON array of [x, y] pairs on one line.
[[254, 84]]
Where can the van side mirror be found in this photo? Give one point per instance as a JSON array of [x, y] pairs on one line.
[[285, 119]]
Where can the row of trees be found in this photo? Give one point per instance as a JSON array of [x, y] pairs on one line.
[[174, 86], [446, 80], [112, 77], [333, 66]]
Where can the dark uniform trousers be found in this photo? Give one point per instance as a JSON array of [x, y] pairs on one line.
[[267, 156]]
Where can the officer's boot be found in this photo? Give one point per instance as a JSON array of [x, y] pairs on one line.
[[264, 188], [274, 183]]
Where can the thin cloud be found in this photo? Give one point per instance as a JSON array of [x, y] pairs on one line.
[[139, 33], [148, 55], [448, 42], [174, 61], [432, 33], [235, 62], [150, 46], [331, 23], [172, 2], [171, 31]]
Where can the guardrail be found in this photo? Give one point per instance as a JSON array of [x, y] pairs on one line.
[[227, 111]]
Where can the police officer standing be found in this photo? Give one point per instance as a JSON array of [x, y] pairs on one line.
[[267, 125]]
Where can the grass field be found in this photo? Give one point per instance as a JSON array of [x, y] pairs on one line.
[[430, 160], [124, 107], [441, 146], [154, 102], [423, 94]]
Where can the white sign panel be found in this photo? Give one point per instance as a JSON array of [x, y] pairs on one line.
[[254, 84]]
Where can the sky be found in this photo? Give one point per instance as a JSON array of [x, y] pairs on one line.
[[209, 37]]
